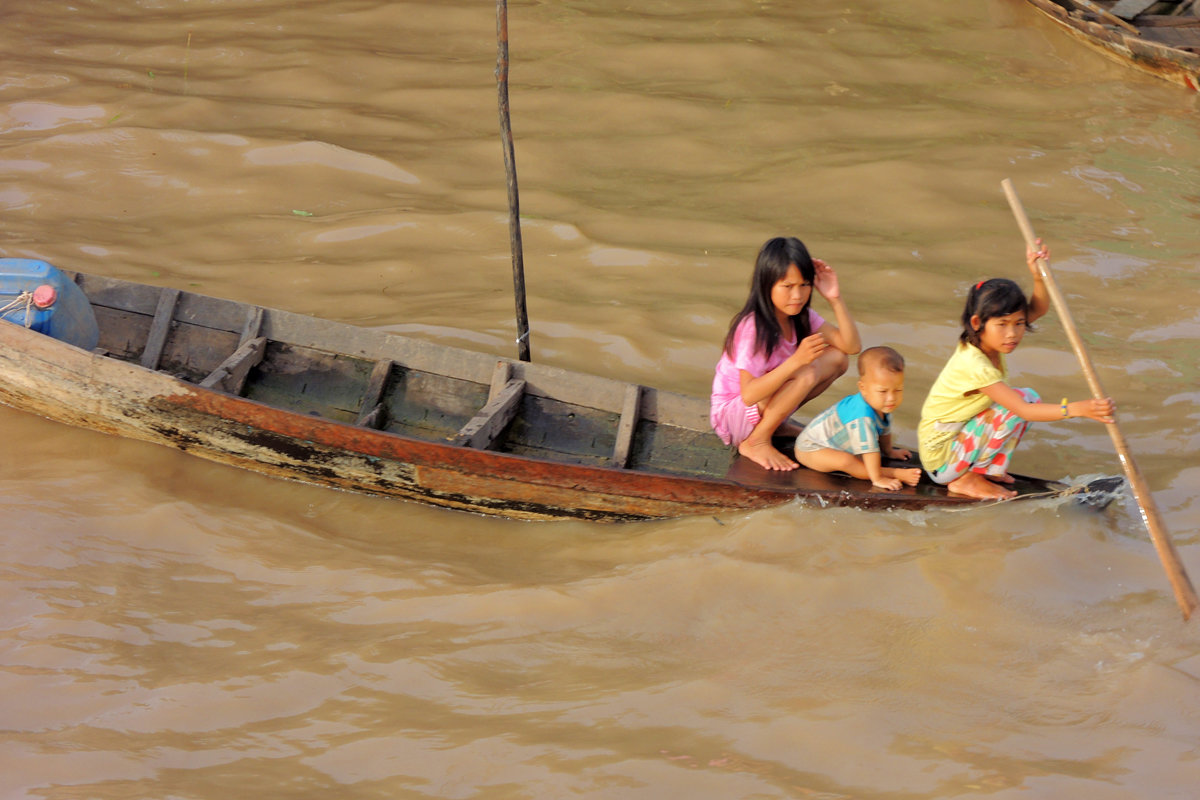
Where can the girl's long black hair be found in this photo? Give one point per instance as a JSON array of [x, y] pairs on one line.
[[770, 268], [997, 297]]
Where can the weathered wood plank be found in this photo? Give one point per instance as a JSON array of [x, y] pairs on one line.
[[160, 328], [370, 412], [192, 352], [197, 309], [230, 376], [310, 381], [428, 406], [372, 419], [492, 419], [562, 432], [1128, 9], [253, 327], [542, 380], [500, 377], [1106, 16], [629, 418]]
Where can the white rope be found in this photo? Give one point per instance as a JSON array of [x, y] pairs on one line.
[[25, 299]]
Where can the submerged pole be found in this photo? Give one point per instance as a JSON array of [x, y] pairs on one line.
[[510, 171]]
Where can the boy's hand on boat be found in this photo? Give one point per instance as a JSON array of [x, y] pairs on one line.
[[891, 484], [900, 453], [826, 281]]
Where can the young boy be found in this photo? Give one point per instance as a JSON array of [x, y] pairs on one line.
[[850, 436]]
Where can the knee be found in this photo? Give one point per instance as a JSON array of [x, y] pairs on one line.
[[836, 363]]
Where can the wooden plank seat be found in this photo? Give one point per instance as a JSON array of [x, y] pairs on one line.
[[230, 375], [253, 326], [483, 429], [504, 400], [370, 414], [160, 328], [630, 411], [1128, 9]]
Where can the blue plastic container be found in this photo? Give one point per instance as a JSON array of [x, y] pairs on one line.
[[70, 319]]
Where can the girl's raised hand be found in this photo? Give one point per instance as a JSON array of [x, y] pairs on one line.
[[826, 281], [1032, 256]]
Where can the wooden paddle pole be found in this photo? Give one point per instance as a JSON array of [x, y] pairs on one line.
[[1185, 595], [510, 171]]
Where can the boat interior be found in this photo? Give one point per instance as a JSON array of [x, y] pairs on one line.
[[1175, 23], [299, 364]]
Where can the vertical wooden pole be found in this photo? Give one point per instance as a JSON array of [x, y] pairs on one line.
[[510, 171], [1185, 595]]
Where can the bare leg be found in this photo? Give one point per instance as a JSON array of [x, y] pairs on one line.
[[827, 460], [757, 446], [809, 381], [828, 367], [972, 484]]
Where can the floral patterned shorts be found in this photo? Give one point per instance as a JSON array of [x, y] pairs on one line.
[[986, 442]]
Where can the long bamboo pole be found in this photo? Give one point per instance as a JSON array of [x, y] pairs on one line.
[[510, 172], [1185, 595]]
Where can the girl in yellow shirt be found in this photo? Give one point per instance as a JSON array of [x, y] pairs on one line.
[[972, 419]]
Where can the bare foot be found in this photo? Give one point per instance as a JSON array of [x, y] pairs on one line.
[[1005, 478], [765, 455], [975, 485], [908, 475]]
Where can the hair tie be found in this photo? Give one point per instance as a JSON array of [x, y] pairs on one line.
[[981, 283]]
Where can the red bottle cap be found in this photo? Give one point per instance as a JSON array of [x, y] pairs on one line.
[[44, 296]]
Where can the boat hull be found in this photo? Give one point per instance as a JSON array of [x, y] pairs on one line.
[[68, 385], [1176, 64], [361, 410]]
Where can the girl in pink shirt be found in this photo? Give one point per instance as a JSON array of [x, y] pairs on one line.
[[779, 353]]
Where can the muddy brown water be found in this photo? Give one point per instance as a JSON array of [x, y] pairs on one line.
[[173, 628]]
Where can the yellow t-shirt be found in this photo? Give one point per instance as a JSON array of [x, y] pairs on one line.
[[948, 405]]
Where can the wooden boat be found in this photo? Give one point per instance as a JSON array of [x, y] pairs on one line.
[[1161, 37], [363, 410]]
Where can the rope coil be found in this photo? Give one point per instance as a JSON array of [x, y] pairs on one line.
[[25, 299]]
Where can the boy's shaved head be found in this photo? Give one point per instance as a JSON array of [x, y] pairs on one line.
[[880, 358]]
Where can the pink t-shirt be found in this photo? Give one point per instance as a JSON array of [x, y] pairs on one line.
[[727, 382]]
